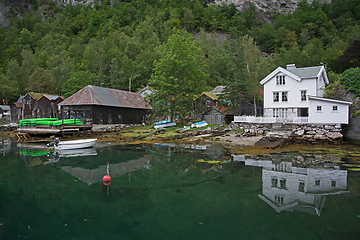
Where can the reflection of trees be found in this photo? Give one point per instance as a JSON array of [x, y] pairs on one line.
[[293, 188]]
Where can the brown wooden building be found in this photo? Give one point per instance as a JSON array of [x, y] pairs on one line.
[[47, 106], [98, 105], [28, 105]]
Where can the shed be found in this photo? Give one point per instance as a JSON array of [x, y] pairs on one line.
[[16, 110], [47, 106], [28, 105], [213, 116], [4, 109], [99, 105]]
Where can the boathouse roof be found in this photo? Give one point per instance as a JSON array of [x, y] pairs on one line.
[[94, 95]]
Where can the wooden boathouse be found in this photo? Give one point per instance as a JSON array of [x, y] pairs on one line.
[[99, 105]]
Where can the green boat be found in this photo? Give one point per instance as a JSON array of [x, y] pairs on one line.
[[67, 122], [37, 121]]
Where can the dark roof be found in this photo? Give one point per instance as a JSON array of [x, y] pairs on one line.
[[94, 95], [20, 99], [5, 107], [218, 90], [50, 97], [306, 71], [212, 108]]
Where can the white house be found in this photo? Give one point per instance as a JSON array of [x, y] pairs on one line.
[[296, 95]]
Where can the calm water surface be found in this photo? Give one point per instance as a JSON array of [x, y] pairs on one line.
[[174, 192]]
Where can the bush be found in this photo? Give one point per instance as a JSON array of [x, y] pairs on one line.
[[351, 80]]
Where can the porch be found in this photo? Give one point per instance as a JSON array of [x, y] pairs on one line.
[[253, 119]]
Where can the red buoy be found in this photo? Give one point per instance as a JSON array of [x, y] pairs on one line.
[[107, 178]]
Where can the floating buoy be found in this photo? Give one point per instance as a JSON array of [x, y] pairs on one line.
[[107, 178]]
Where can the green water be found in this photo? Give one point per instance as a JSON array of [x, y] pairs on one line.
[[160, 192]]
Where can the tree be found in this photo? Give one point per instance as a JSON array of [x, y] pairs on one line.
[[7, 90], [41, 81], [252, 57], [178, 76], [351, 80], [77, 81], [236, 88]]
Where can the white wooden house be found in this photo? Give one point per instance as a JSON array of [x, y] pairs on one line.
[[296, 95]]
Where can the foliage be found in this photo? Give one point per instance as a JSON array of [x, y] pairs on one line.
[[179, 76], [118, 42], [351, 80]]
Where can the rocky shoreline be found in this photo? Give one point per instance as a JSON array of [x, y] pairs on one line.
[[236, 134]]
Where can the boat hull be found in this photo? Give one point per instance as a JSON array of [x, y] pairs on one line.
[[199, 124], [76, 144], [164, 125]]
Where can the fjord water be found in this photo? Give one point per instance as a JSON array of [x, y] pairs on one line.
[[173, 192]]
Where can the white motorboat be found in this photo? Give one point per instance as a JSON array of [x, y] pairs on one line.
[[72, 144]]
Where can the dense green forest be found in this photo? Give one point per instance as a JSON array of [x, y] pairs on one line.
[[60, 49]]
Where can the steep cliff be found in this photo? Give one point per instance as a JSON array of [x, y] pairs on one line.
[[264, 7]]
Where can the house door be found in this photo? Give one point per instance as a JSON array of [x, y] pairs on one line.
[[303, 112]]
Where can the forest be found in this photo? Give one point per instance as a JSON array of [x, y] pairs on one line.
[[58, 50]]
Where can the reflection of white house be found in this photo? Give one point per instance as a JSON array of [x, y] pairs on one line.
[[296, 95], [291, 188]]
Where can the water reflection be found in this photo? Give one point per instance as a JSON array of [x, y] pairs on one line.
[[287, 187], [91, 176], [5, 145]]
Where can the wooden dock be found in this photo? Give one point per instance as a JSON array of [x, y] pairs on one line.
[[52, 130]]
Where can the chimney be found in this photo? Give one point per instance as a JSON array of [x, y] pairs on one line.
[[291, 66]]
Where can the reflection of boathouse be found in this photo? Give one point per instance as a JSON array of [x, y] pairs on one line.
[[91, 176], [292, 188]]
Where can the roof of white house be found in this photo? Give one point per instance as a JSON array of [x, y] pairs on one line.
[[329, 100], [297, 73]]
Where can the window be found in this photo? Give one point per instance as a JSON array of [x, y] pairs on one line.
[[283, 183], [317, 182], [335, 108], [318, 108], [284, 97], [280, 112], [280, 80], [303, 95], [276, 96], [274, 182], [333, 183], [279, 200], [301, 186], [208, 103]]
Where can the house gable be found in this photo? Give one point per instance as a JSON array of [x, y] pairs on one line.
[[276, 72]]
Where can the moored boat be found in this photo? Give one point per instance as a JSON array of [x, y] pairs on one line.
[[199, 124], [72, 144], [165, 124]]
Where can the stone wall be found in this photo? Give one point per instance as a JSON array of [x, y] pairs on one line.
[[295, 132]]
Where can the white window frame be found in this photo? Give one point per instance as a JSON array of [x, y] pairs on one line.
[[335, 106], [319, 108], [280, 112], [276, 97], [284, 97], [303, 95], [280, 80]]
